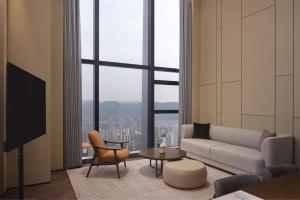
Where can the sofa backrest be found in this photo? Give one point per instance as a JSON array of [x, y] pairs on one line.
[[237, 136]]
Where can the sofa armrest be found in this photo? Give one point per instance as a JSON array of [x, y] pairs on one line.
[[187, 130], [277, 150]]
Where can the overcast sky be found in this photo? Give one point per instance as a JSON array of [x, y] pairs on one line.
[[122, 40]]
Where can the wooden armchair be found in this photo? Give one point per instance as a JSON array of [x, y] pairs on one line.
[[104, 155]]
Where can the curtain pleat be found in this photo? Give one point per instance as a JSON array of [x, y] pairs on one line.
[[72, 85], [185, 86]]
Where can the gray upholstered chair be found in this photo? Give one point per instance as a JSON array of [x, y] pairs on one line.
[[278, 170], [234, 183]]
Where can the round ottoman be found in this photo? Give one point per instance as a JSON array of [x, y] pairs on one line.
[[185, 174]]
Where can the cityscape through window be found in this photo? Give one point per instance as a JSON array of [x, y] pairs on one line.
[[130, 71]]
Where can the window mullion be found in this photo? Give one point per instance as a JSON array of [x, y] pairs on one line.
[[96, 66], [151, 73]]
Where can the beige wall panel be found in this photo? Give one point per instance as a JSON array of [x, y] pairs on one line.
[[219, 13], [231, 40], [258, 122], [208, 19], [219, 70], [208, 104], [29, 46], [284, 37], [297, 57], [57, 85], [252, 6], [297, 141], [219, 119], [196, 60], [297, 94], [284, 104], [258, 63], [231, 104]]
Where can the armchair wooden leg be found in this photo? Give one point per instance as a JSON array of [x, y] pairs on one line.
[[117, 165], [117, 162], [89, 170], [92, 163], [125, 163]]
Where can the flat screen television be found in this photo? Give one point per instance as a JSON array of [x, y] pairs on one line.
[[25, 107]]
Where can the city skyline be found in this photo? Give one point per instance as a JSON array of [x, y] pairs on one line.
[[124, 121]]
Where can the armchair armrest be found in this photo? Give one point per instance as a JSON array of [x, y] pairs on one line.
[[277, 150], [112, 149], [187, 130], [116, 142], [107, 148]]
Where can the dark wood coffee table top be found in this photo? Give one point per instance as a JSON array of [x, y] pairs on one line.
[[283, 187], [171, 154]]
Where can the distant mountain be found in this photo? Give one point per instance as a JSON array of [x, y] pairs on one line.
[[120, 108], [124, 108]]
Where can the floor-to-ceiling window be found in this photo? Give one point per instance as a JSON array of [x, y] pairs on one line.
[[166, 56], [130, 70]]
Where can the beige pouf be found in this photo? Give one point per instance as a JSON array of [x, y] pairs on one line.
[[185, 174]]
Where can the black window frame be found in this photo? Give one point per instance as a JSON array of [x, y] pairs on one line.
[[96, 63]]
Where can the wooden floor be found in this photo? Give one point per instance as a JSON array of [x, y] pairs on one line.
[[59, 188]]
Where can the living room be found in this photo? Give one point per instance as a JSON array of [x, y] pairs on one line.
[[151, 99]]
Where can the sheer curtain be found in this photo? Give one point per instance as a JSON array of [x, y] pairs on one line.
[[72, 85], [185, 86]]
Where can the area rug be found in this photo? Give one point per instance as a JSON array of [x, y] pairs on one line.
[[138, 181]]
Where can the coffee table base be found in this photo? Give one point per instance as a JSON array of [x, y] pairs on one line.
[[157, 170], [154, 154]]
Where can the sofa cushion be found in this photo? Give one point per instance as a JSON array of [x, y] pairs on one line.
[[248, 159], [200, 147], [238, 136], [201, 131]]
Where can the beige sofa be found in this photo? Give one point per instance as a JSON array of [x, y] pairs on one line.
[[238, 150]]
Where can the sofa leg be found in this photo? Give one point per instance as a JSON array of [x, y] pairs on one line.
[[125, 163]]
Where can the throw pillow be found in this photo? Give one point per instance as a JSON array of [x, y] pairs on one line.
[[201, 131]]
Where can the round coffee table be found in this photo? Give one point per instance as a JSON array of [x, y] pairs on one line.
[[170, 154]]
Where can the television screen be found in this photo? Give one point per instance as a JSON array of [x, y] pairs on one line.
[[25, 107]]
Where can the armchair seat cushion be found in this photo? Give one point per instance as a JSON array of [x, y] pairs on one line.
[[109, 155]]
